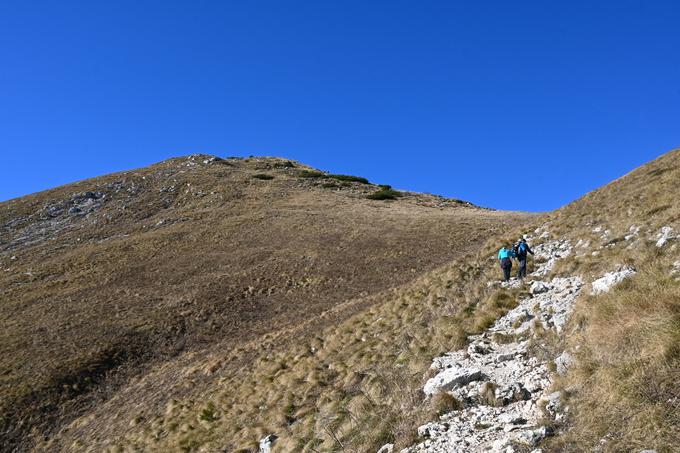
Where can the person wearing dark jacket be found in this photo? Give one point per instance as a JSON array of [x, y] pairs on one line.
[[505, 256], [521, 252]]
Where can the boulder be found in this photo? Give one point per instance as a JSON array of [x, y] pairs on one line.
[[539, 287], [267, 442], [534, 436], [387, 448], [451, 378], [610, 279], [664, 235]]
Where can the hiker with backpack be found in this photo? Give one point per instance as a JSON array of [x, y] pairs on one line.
[[521, 250], [505, 256]]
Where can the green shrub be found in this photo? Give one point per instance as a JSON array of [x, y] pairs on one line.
[[208, 414], [385, 186], [263, 176], [330, 185], [384, 194], [349, 178]]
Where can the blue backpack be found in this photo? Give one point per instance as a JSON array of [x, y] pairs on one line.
[[522, 249]]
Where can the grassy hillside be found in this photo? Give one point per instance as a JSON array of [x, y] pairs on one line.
[[133, 294], [337, 364], [624, 388]]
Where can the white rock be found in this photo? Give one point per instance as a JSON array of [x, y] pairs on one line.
[[387, 448], [451, 378], [539, 287], [632, 232], [563, 363], [606, 282], [553, 403], [267, 442], [533, 437], [665, 235]]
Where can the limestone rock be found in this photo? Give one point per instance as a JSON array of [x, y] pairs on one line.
[[534, 436], [387, 448], [267, 442], [451, 378], [563, 362], [539, 287], [610, 279], [665, 235]]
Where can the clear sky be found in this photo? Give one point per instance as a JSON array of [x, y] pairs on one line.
[[514, 105]]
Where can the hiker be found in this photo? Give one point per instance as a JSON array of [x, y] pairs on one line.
[[521, 250], [505, 255]]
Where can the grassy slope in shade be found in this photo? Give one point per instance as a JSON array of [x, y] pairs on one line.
[[124, 293]]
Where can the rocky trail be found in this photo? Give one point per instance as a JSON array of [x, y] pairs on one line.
[[503, 388], [502, 381]]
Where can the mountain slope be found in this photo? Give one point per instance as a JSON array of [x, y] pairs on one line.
[[603, 313], [357, 384], [347, 374], [109, 281]]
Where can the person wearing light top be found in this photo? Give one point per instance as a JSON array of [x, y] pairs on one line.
[[505, 256]]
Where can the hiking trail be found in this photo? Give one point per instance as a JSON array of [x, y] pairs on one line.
[[503, 387]]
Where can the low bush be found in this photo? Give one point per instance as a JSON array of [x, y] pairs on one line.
[[384, 194], [349, 178], [263, 176]]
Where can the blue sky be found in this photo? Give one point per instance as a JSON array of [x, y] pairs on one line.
[[514, 105]]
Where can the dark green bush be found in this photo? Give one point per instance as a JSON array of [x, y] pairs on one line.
[[263, 176], [349, 178], [384, 194]]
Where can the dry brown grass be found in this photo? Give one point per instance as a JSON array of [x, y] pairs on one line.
[[191, 273], [353, 387], [342, 371], [625, 386], [623, 391]]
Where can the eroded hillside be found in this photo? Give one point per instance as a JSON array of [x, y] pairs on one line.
[[124, 293]]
